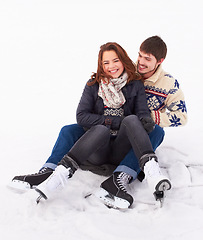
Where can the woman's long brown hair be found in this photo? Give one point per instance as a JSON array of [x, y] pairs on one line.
[[129, 66]]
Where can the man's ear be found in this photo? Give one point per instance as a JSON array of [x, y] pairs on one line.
[[160, 61]]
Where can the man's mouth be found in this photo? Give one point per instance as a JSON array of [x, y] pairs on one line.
[[141, 67]]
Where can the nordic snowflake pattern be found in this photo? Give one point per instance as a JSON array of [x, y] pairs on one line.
[[168, 75], [182, 106], [173, 91], [177, 85], [113, 112], [175, 121], [156, 100], [155, 97]]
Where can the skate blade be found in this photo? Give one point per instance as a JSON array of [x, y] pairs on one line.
[[163, 185], [41, 196], [19, 186], [111, 201], [161, 202], [160, 195], [38, 199]]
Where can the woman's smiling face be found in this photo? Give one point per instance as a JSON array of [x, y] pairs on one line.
[[111, 64]]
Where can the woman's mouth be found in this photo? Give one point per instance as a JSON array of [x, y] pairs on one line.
[[113, 71]]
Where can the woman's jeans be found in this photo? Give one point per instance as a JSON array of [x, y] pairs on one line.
[[98, 147], [130, 163], [127, 162]]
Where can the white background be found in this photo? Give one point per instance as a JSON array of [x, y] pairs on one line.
[[48, 50]]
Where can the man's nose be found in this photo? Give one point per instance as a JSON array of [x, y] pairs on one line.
[[141, 61]]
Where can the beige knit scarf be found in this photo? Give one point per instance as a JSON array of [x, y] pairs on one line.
[[111, 93]]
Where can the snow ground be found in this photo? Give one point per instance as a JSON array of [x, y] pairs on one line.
[[48, 50]]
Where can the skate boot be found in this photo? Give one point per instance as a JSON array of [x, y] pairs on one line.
[[25, 182], [157, 182], [113, 191], [58, 179]]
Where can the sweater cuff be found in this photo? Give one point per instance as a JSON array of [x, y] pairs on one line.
[[156, 117]]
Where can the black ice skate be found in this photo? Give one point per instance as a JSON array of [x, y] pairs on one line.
[[113, 191], [25, 182]]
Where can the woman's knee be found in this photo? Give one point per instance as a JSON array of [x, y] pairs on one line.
[[100, 130], [131, 119]]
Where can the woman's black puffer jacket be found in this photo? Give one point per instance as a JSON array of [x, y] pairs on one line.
[[91, 107]]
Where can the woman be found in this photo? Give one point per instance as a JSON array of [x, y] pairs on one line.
[[114, 112]]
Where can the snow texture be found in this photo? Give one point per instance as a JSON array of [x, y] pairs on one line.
[[48, 50]]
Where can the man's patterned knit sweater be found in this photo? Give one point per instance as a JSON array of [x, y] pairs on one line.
[[165, 99]]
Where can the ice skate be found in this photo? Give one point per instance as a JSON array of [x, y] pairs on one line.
[[113, 191], [26, 182], [57, 180], [157, 182]]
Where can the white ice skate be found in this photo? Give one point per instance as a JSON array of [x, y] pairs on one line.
[[157, 182], [55, 182]]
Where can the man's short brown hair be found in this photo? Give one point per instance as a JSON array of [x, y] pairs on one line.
[[156, 46]]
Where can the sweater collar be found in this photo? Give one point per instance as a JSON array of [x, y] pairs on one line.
[[155, 76]]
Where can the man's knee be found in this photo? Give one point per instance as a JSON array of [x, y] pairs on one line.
[[71, 129], [158, 131], [157, 136]]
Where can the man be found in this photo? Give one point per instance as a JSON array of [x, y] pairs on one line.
[[166, 103]]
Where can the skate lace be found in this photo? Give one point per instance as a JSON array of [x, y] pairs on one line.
[[42, 170], [123, 179]]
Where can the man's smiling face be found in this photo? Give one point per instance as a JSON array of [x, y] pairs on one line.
[[147, 64]]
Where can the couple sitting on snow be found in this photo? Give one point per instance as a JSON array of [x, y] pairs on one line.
[[120, 119]]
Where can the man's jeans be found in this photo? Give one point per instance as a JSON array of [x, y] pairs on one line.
[[68, 136], [71, 133]]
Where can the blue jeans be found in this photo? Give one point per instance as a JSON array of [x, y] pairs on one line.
[[69, 135]]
